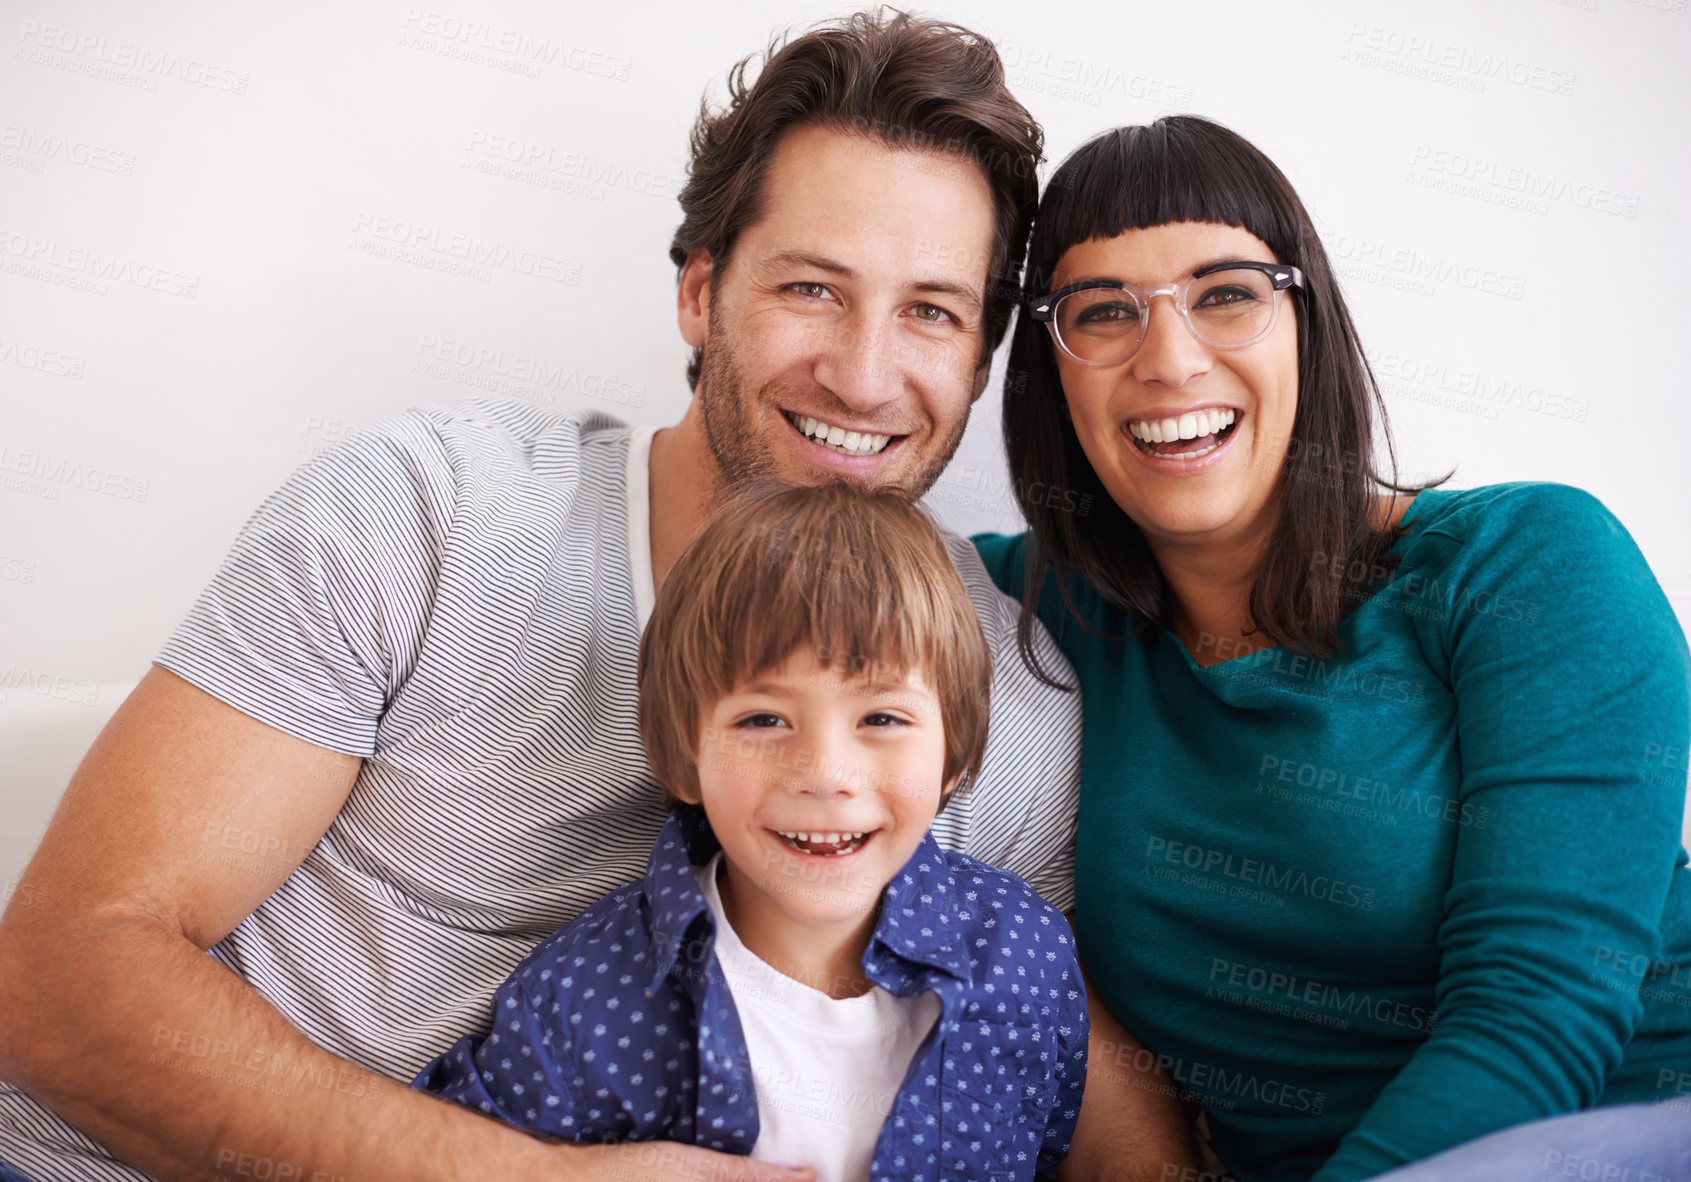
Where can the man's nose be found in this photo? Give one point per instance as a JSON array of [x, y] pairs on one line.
[[1169, 355], [862, 361]]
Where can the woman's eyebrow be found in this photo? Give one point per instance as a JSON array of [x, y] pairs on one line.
[[1211, 262]]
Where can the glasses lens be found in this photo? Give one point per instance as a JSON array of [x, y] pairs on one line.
[[1231, 308], [1099, 324]]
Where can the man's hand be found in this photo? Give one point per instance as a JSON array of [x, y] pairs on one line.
[[664, 1161]]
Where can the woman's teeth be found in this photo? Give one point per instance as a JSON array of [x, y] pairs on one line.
[[828, 845], [1187, 426], [850, 443]]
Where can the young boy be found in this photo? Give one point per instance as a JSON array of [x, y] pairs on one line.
[[804, 975]]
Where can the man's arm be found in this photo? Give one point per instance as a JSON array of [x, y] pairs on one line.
[[112, 1015], [1132, 1127]]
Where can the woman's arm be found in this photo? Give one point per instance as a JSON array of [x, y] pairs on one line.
[[1568, 668]]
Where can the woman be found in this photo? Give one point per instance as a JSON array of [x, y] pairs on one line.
[[1382, 786]]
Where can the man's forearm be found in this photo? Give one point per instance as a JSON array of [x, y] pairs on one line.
[[180, 1068], [1132, 1126]]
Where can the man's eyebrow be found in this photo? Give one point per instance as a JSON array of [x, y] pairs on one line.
[[798, 258], [960, 291]]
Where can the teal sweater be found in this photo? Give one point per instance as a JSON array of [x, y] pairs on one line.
[[1368, 908]]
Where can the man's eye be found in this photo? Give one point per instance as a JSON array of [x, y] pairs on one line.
[[813, 291], [933, 314]]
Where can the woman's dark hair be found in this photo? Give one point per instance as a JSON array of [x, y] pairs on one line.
[[1186, 169], [905, 81]]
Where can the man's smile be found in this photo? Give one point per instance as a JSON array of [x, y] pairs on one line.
[[840, 439]]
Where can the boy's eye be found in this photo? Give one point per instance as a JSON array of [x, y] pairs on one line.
[[881, 718], [762, 719]]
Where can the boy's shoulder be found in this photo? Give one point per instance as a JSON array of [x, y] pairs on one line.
[[1019, 945], [603, 950]]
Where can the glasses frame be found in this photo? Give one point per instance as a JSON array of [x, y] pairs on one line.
[[1044, 308]]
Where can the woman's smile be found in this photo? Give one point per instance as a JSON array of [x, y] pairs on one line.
[[1178, 439]]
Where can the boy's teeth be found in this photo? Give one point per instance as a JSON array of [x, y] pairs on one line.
[[848, 842], [851, 443], [1188, 426]]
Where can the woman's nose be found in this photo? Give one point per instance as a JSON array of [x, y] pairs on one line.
[[1169, 355]]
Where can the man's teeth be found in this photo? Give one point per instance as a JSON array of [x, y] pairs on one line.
[[1187, 426], [851, 443], [850, 842]]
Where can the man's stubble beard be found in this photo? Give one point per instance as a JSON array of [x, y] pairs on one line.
[[742, 453]]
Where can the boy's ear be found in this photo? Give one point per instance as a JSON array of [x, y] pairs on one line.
[[685, 793], [948, 790]]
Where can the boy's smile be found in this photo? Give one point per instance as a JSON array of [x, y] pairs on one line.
[[819, 785]]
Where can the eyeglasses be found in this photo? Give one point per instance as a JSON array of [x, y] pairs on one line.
[[1226, 305]]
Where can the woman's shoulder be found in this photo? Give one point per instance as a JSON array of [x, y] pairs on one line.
[[1525, 521], [1553, 553], [1494, 508]]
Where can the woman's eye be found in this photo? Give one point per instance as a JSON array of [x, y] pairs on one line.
[[1108, 314], [1221, 297]]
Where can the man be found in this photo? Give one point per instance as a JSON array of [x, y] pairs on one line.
[[394, 746]]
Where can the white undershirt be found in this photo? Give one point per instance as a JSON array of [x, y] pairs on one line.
[[640, 521], [827, 1070]]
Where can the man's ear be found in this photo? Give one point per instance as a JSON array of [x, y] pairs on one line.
[[981, 374], [692, 299]]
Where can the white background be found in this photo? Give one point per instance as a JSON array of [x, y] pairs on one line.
[[1504, 186]]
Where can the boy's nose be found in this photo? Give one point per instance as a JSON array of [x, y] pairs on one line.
[[833, 772]]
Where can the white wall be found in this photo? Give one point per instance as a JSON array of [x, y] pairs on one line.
[[1503, 184]]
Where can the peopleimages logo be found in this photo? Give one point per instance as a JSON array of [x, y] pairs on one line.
[[46, 145], [417, 241], [65, 473], [36, 257], [1254, 872], [95, 50]]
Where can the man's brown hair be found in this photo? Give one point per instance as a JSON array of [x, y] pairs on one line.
[[862, 578], [911, 83]]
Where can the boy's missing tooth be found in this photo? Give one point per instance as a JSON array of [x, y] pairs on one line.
[[804, 975]]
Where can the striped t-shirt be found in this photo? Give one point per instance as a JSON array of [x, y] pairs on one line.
[[456, 594]]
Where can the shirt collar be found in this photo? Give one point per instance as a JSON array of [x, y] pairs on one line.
[[672, 891], [919, 921]]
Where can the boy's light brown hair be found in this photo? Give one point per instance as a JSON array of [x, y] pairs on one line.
[[863, 579]]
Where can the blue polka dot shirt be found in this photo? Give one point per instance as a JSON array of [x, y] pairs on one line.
[[621, 1027]]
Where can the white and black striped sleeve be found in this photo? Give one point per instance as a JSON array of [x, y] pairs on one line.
[[317, 613], [1023, 806]]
